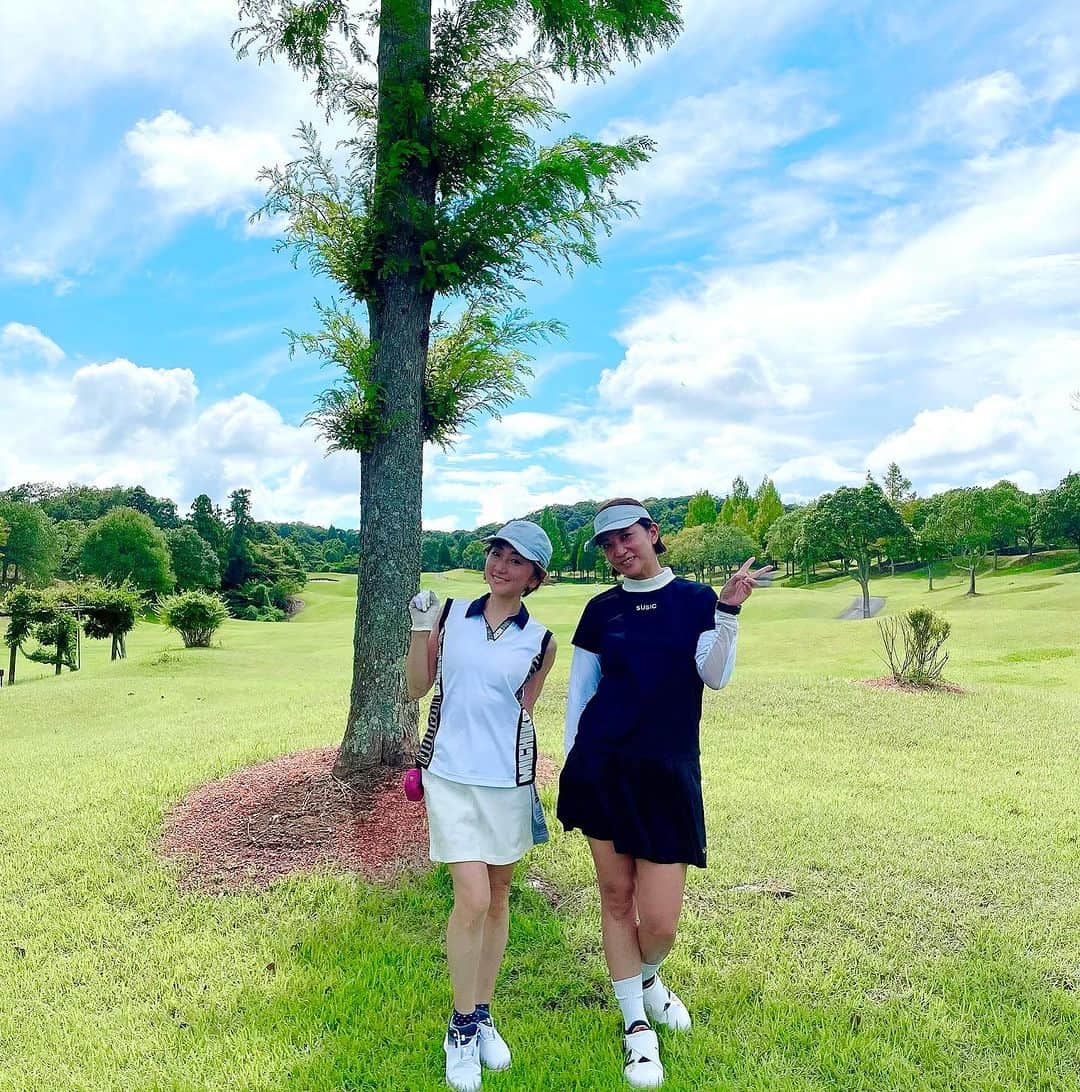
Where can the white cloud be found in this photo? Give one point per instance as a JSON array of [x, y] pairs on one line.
[[119, 397], [702, 138], [800, 367], [52, 52], [17, 339], [201, 170], [979, 113], [515, 429]]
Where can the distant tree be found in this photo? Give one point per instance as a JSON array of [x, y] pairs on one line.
[[1058, 511], [962, 521], [851, 521], [239, 565], [559, 551], [701, 509], [112, 612], [208, 521], [897, 487], [30, 553], [727, 547], [782, 538], [472, 557], [334, 552], [445, 560], [126, 545], [196, 615], [72, 534], [687, 551], [1010, 516], [768, 508], [194, 562]]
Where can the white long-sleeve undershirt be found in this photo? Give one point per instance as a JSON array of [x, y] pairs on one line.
[[714, 656]]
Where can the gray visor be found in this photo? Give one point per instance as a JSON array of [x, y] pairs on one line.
[[616, 518]]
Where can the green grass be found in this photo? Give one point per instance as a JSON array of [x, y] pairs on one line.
[[933, 842]]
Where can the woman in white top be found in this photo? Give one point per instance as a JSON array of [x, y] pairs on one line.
[[487, 660]]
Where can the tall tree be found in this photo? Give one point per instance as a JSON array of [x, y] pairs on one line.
[[560, 553], [768, 509], [194, 562], [30, 550], [962, 521], [701, 509], [444, 192], [897, 487], [851, 522], [1058, 512], [239, 564], [127, 545], [206, 518]]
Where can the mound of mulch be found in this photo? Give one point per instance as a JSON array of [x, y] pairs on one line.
[[887, 682], [292, 815]]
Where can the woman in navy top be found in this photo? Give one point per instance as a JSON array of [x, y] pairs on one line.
[[643, 651]]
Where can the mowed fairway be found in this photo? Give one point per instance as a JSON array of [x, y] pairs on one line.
[[932, 842]]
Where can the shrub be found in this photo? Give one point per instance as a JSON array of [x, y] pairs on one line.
[[195, 614], [914, 646]]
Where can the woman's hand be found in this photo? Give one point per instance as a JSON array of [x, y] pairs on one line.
[[737, 590], [424, 611]]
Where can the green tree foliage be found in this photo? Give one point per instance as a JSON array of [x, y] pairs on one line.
[[194, 562], [239, 565], [72, 534], [767, 509], [472, 557], [209, 523], [195, 615], [962, 520], [896, 486], [784, 536], [727, 547], [126, 545], [30, 552], [27, 608], [849, 523], [560, 553], [701, 509], [441, 190], [1010, 516], [687, 551], [86, 503], [1058, 512], [113, 611]]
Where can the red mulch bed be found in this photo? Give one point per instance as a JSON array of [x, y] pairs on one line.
[[292, 815], [887, 682]]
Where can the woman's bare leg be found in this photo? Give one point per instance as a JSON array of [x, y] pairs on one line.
[[618, 918], [465, 930], [659, 897], [496, 930]]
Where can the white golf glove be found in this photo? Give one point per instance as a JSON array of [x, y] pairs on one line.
[[424, 611]]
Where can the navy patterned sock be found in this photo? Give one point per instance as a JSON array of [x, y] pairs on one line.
[[465, 1023], [483, 1012]]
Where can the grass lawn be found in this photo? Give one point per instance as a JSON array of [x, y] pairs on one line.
[[933, 842]]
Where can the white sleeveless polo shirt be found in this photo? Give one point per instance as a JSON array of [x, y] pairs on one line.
[[478, 732]]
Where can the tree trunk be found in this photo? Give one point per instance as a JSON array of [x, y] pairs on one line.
[[381, 728], [863, 570], [971, 586], [11, 664], [930, 575]]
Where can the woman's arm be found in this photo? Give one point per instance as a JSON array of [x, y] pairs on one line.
[[715, 654], [584, 679], [536, 684]]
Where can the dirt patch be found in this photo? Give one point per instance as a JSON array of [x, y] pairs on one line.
[[887, 682], [292, 815]]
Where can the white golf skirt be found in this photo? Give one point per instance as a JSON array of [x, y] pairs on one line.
[[477, 822]]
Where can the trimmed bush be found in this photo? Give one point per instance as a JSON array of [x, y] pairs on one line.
[[195, 614]]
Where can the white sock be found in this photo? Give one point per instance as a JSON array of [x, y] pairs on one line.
[[628, 994], [649, 970]]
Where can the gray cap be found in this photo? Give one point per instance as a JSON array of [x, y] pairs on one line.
[[529, 539], [616, 517]]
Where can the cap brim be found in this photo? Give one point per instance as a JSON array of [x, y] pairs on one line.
[[520, 549]]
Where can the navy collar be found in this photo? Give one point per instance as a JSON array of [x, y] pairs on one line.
[[476, 607]]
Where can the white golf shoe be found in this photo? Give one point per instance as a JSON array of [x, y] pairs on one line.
[[641, 1063], [462, 1061], [494, 1053], [664, 1007]]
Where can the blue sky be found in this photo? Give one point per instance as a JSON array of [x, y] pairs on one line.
[[858, 241]]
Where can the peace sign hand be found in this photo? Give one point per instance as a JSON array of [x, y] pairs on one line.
[[737, 590]]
